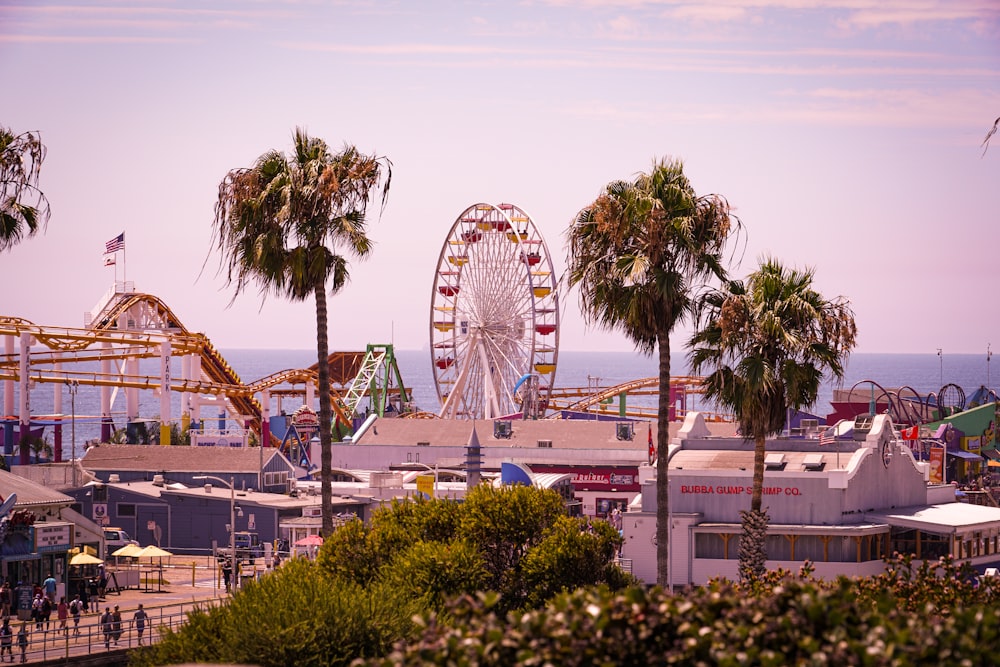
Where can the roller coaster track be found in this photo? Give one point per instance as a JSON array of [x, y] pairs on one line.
[[133, 325]]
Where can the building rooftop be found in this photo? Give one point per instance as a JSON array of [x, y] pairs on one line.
[[30, 493], [562, 433], [177, 458]]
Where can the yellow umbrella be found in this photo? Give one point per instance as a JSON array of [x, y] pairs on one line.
[[152, 551], [85, 559], [129, 550]]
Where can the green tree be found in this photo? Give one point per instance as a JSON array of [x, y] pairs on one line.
[[767, 344], [281, 224], [571, 555], [636, 253], [24, 208], [503, 527]]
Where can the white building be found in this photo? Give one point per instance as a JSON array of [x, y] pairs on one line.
[[844, 507]]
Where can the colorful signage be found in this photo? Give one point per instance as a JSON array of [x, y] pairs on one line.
[[596, 478], [936, 460]]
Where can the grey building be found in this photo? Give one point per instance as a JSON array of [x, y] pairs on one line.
[[264, 469]]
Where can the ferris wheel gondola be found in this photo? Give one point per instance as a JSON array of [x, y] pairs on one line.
[[494, 316]]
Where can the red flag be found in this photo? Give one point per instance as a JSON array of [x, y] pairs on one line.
[[652, 449], [912, 433]]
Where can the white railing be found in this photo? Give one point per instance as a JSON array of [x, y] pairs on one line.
[[120, 287], [89, 638]]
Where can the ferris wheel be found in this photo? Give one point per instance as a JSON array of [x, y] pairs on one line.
[[494, 316]]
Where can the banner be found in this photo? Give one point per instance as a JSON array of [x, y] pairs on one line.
[[936, 459]]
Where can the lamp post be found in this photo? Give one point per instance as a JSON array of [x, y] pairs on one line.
[[74, 386], [941, 359], [232, 513], [434, 470], [989, 354]]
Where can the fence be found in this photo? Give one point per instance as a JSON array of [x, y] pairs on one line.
[[88, 638]]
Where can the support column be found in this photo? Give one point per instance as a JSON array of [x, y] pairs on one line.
[[24, 412], [106, 424], [57, 430], [165, 393], [265, 419]]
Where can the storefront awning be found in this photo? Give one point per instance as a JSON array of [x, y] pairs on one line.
[[991, 454], [962, 454]]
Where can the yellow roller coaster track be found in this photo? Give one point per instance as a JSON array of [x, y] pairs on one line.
[[107, 341]]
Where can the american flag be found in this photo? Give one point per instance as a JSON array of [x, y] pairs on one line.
[[827, 437], [115, 244]]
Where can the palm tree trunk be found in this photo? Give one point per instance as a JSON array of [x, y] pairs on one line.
[[758, 473], [662, 481], [325, 413]]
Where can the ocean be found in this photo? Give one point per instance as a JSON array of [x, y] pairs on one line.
[[586, 370]]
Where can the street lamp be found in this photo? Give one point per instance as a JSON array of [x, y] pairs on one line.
[[989, 354], [434, 470], [232, 514], [74, 386], [941, 358]]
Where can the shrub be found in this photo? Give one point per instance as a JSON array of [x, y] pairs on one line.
[[296, 615]]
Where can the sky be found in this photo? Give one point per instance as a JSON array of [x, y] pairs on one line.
[[847, 135]]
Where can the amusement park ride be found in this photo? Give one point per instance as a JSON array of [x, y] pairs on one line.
[[494, 336]]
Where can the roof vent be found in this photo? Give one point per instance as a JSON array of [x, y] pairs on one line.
[[157, 480], [813, 462], [775, 461], [545, 443], [113, 478]]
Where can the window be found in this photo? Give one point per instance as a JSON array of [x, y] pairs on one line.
[[100, 494], [126, 509]]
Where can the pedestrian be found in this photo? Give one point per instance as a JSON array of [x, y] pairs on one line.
[[49, 586], [102, 583], [6, 639], [22, 642], [140, 622], [36, 611], [62, 613], [46, 611], [116, 625], [75, 607], [106, 627], [227, 574], [84, 596], [6, 599]]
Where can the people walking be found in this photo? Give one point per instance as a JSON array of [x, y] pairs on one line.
[[49, 586], [116, 625], [36, 611], [106, 627], [75, 609], [140, 622], [227, 574], [6, 640], [62, 613], [22, 642]]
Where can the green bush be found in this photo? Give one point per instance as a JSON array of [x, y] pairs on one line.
[[295, 616], [779, 619], [433, 572]]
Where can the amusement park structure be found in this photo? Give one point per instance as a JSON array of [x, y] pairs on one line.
[[494, 319], [127, 327]]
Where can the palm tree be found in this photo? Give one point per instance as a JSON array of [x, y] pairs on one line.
[[767, 345], [24, 208], [281, 224], [636, 253]]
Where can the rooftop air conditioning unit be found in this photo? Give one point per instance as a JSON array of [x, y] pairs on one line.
[[312, 511], [113, 478], [157, 480], [502, 428], [625, 431]]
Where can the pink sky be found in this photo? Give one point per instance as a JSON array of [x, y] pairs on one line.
[[845, 133]]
